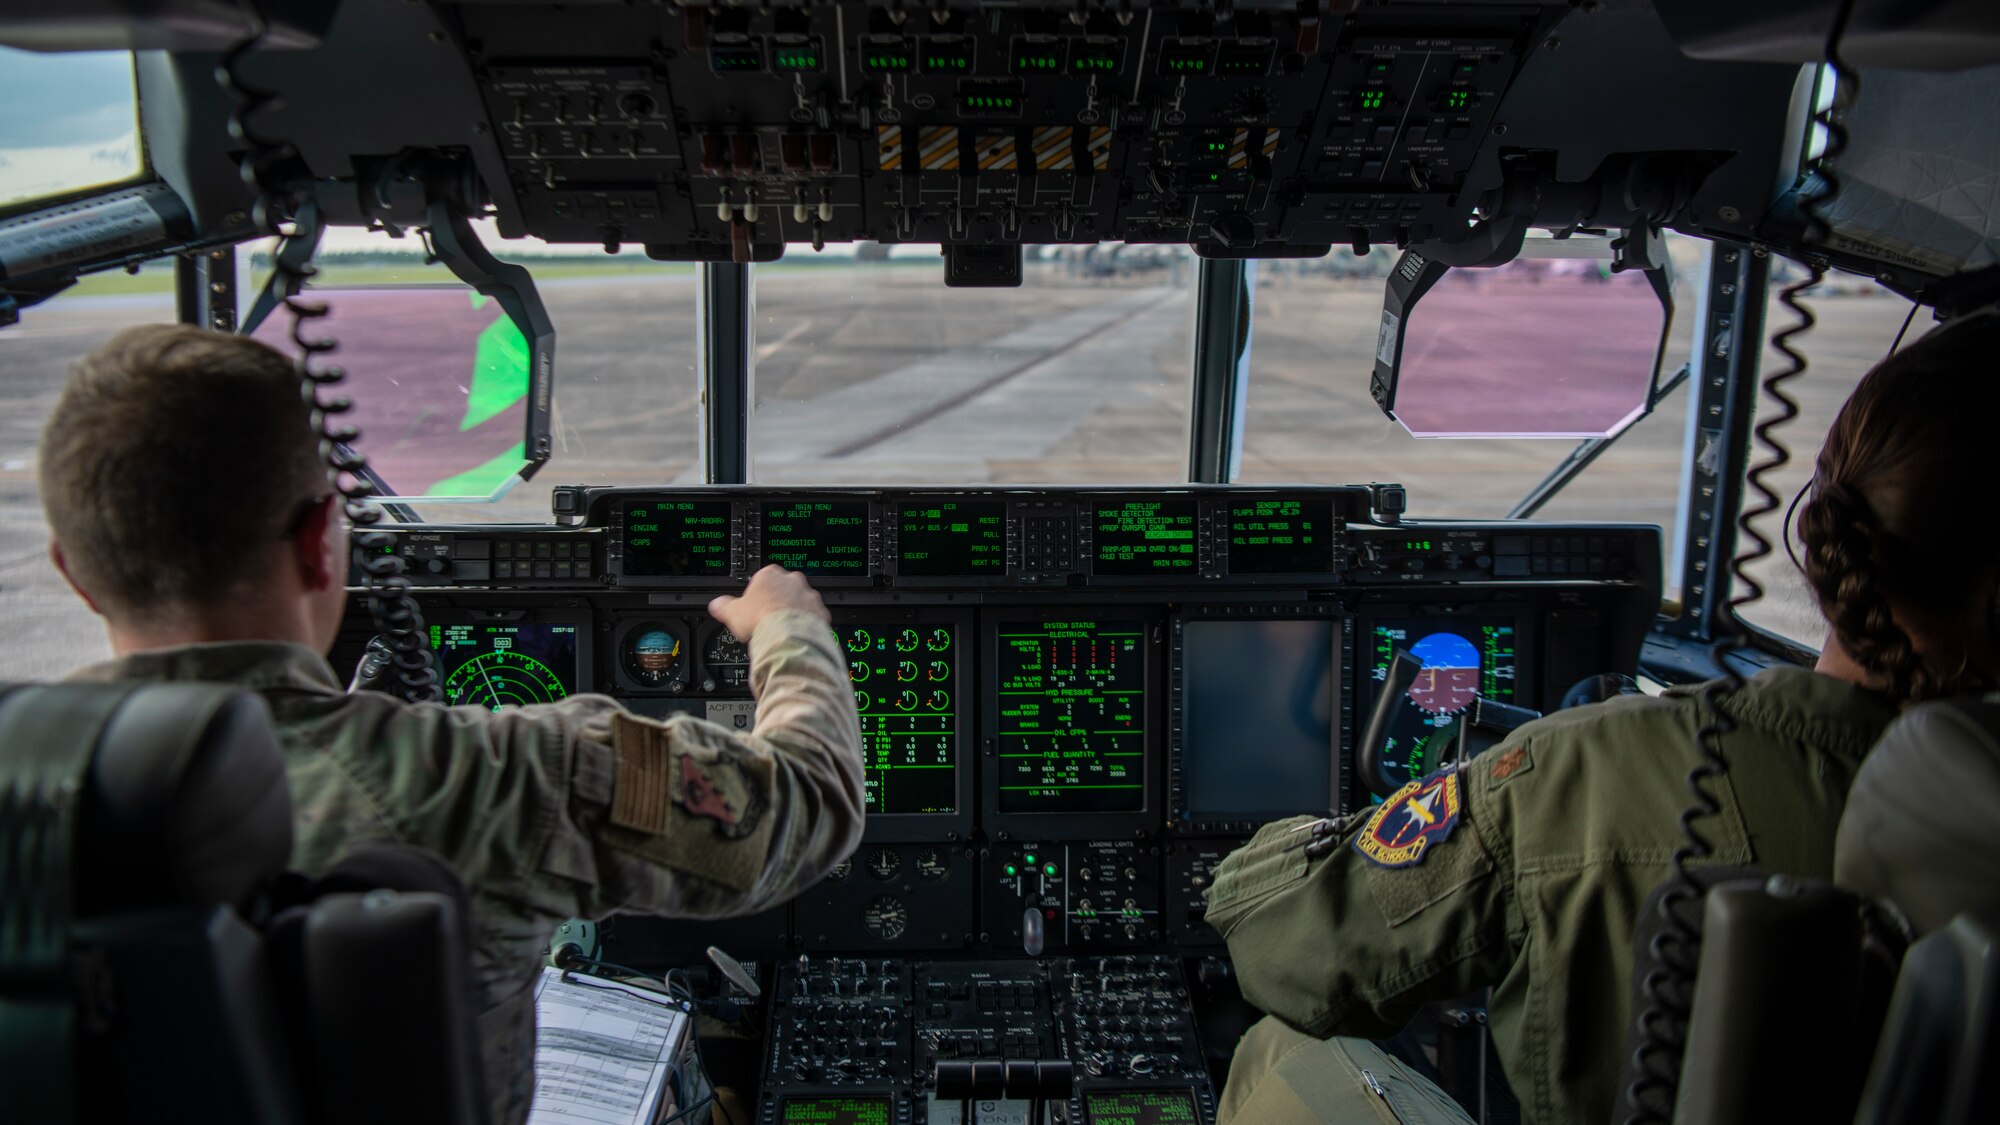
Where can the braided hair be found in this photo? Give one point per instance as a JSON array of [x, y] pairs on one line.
[[1894, 531]]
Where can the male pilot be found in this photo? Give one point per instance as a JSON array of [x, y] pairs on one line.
[[188, 506]]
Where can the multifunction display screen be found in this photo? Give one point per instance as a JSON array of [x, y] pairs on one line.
[[817, 536], [1260, 705], [1280, 536], [495, 666], [676, 538], [905, 686], [1072, 729], [1145, 537], [952, 538], [836, 1111], [1463, 659], [1141, 1107]]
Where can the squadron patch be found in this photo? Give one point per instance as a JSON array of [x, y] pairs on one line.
[[1407, 825], [719, 791]]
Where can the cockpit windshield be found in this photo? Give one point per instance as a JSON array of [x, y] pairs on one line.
[[71, 124]]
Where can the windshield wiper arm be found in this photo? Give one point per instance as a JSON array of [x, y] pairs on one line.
[[1589, 450]]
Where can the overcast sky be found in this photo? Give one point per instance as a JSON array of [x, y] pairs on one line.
[[75, 99]]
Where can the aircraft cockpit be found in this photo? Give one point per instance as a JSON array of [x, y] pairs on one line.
[[1192, 414]]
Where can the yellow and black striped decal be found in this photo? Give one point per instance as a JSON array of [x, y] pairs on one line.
[[1052, 148], [997, 153], [937, 148], [889, 147]]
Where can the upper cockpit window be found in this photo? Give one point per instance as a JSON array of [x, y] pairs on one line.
[[71, 124]]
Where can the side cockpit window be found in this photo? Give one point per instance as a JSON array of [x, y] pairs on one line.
[[71, 124]]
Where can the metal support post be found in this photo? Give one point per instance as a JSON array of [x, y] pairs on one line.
[[205, 289], [725, 317], [1222, 311]]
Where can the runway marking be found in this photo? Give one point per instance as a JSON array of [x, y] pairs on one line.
[[944, 406], [766, 351]]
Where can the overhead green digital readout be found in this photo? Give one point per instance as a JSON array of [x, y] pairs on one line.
[[1243, 60], [1145, 537], [1280, 535], [1093, 58], [1454, 100], [952, 538], [1181, 57], [1072, 729], [947, 56], [796, 58], [735, 58], [904, 689], [1371, 98], [891, 56], [989, 105], [676, 538], [1037, 58], [817, 536]]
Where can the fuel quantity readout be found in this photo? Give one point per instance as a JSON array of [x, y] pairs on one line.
[[1072, 716]]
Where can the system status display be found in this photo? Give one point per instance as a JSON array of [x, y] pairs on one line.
[[1280, 536], [836, 1111], [956, 539], [1072, 725], [817, 536], [1145, 537], [676, 538], [904, 679], [1141, 1107]]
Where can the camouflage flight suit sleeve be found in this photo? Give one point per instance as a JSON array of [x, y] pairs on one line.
[[707, 821]]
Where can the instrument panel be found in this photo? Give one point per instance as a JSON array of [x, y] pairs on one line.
[[1073, 704]]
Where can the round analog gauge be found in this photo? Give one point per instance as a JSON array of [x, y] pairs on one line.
[[908, 640], [884, 864], [906, 670], [938, 670], [930, 864], [886, 918], [938, 701], [840, 871], [495, 679], [727, 659], [859, 641], [654, 655], [939, 641]]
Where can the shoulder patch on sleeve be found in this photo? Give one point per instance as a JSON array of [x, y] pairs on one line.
[[688, 795], [1408, 825], [1506, 764]]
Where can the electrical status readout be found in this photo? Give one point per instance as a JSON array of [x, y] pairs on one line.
[[817, 536], [1140, 1107], [952, 538], [832, 1110], [905, 687], [1072, 728], [1279, 535], [676, 538], [1145, 537]]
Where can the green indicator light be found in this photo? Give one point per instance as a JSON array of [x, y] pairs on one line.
[[1031, 859], [1012, 871], [1049, 870]]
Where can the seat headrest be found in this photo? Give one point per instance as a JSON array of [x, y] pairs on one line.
[[1920, 829], [185, 798]]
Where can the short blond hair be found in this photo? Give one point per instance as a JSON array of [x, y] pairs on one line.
[[173, 461]]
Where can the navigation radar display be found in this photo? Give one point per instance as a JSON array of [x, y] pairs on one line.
[[905, 687], [1463, 660], [495, 666], [1072, 717]]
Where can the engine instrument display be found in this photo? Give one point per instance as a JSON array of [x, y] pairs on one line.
[[1072, 730], [1463, 659], [905, 686], [1141, 1107], [1260, 713], [817, 536], [498, 665], [1274, 535], [836, 1111], [676, 538], [1145, 537], [952, 539]]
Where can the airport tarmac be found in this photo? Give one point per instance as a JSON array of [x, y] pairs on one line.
[[871, 374]]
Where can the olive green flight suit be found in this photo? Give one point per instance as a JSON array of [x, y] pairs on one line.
[[1562, 831], [561, 810]]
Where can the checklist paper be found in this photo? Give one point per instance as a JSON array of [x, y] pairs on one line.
[[603, 1051]]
